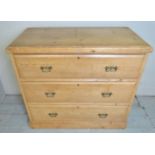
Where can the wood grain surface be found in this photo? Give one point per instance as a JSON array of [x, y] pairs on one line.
[[79, 40], [78, 77]]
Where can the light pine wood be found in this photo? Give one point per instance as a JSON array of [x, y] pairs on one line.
[[79, 40], [138, 80], [78, 66], [78, 77], [88, 117], [104, 93], [80, 124], [20, 87]]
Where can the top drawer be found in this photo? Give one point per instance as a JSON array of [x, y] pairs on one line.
[[69, 67]]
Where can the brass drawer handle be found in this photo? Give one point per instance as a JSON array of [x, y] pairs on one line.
[[111, 68], [50, 94], [46, 69], [106, 94], [52, 114], [102, 115], [93, 51]]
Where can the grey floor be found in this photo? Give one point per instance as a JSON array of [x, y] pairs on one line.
[[13, 118]]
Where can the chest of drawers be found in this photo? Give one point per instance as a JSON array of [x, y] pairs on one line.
[[78, 77]]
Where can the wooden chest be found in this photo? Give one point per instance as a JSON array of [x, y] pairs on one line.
[[78, 77]]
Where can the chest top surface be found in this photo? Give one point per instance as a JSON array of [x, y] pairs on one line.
[[107, 39]]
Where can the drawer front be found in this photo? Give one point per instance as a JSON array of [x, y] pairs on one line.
[[79, 116], [68, 67], [80, 93]]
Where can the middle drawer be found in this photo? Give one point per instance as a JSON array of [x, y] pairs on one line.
[[112, 93]]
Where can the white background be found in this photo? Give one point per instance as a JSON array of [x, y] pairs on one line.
[[10, 30]]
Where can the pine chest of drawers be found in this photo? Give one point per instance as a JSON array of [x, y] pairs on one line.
[[78, 77]]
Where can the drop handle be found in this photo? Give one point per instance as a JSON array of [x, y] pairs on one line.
[[52, 114], [93, 51], [46, 68], [102, 115], [111, 68], [50, 94], [106, 94]]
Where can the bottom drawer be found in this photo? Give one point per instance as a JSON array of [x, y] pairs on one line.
[[78, 117]]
